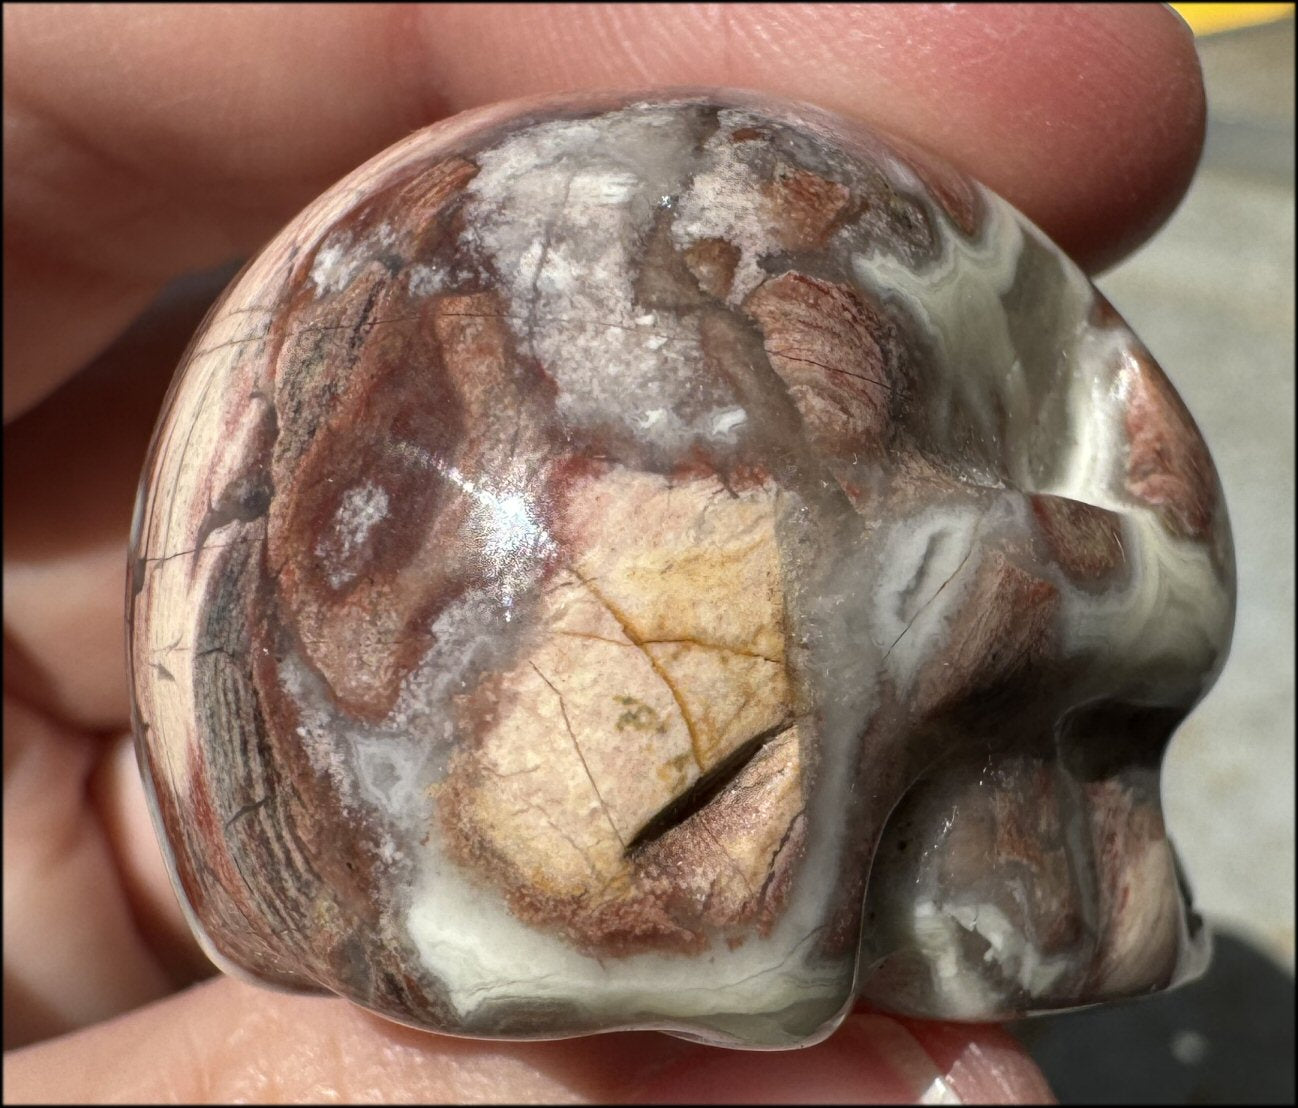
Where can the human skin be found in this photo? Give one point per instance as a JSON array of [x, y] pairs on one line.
[[144, 143]]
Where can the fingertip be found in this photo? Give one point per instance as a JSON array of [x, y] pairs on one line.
[[225, 1041], [982, 1063], [1088, 117], [1149, 122], [145, 142], [870, 1059]]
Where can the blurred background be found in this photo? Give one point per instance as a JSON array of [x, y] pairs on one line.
[[1212, 295]]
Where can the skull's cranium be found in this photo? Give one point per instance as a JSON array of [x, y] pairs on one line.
[[674, 562]]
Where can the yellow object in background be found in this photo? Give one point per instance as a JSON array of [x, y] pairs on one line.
[[1204, 19]]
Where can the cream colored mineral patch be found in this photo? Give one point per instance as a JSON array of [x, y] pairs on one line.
[[661, 653]]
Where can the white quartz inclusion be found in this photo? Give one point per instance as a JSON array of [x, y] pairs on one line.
[[726, 420], [424, 280], [958, 303], [385, 768], [335, 265], [937, 934], [727, 202], [1173, 610], [924, 569], [362, 509], [562, 210], [1056, 429], [482, 954]]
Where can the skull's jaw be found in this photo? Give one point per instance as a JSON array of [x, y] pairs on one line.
[[1011, 887]]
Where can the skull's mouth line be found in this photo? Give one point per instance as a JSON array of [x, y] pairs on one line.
[[705, 789]]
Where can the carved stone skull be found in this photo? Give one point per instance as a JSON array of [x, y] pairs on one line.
[[674, 561]]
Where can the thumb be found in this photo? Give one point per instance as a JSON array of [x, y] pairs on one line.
[[224, 1041]]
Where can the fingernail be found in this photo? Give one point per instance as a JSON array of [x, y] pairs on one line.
[[983, 1064], [871, 1059]]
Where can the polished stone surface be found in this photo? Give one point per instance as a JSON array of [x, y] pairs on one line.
[[675, 563], [1213, 295]]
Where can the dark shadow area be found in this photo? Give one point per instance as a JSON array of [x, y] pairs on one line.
[[1228, 1038]]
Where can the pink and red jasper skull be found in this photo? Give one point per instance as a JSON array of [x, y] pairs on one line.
[[674, 561]]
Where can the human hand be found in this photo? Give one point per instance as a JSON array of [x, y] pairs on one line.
[[143, 143]]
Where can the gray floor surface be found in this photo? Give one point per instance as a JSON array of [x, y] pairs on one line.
[[1212, 295]]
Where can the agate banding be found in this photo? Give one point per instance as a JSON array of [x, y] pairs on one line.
[[673, 561]]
